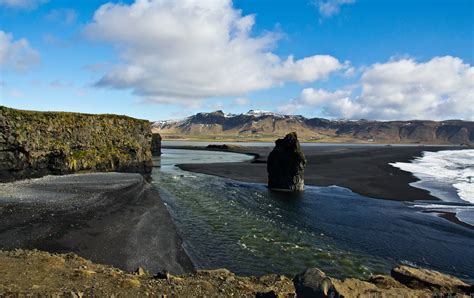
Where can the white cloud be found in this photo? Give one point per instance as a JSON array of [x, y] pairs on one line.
[[16, 54], [307, 69], [441, 88], [183, 51], [22, 4], [329, 8]]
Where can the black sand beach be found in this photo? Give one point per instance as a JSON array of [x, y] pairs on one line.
[[363, 169], [111, 218]]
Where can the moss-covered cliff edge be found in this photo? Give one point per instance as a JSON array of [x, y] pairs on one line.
[[33, 144]]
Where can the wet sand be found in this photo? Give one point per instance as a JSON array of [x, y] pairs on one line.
[[363, 169], [111, 218]]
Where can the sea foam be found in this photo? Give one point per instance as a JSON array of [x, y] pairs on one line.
[[449, 167]]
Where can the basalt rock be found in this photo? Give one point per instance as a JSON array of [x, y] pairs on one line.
[[156, 144], [285, 165], [34, 144]]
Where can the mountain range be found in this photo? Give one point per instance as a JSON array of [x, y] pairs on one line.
[[257, 125]]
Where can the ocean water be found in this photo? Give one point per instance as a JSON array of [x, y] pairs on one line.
[[448, 175], [250, 230]]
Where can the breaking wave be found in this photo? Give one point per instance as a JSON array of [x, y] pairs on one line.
[[447, 174]]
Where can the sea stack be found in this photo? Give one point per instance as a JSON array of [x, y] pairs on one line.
[[285, 165]]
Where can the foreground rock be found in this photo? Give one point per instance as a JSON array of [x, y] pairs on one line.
[[404, 282], [34, 144], [423, 278], [36, 273], [285, 165]]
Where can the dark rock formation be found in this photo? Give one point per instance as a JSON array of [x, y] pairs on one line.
[[156, 144], [33, 144], [285, 165], [226, 147]]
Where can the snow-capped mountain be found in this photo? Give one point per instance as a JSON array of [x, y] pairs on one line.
[[258, 124]]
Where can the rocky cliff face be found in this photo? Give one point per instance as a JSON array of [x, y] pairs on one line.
[[286, 164], [34, 144]]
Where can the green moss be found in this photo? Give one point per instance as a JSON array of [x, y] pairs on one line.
[[79, 154]]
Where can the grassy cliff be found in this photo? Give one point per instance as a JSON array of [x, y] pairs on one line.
[[34, 144]]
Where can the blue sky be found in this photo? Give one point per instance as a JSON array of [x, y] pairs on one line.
[[168, 59]]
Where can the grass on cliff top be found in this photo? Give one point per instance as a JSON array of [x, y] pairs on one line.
[[38, 114]]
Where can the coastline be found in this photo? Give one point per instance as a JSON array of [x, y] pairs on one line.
[[126, 187], [365, 170]]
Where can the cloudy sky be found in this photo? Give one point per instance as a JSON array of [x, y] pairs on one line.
[[166, 59]]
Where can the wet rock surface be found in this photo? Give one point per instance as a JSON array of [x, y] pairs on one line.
[[285, 165], [34, 144]]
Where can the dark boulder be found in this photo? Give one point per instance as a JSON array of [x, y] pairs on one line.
[[314, 283], [156, 144], [285, 165]]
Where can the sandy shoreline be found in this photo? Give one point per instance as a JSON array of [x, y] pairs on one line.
[[364, 170], [112, 218]]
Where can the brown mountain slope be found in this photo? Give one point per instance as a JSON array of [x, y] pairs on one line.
[[258, 125]]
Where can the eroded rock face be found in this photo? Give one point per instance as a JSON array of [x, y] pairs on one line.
[[156, 144], [285, 165], [33, 144]]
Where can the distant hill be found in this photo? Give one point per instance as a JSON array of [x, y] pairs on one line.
[[261, 126]]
